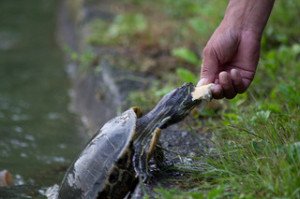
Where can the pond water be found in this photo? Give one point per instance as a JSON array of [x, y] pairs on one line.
[[39, 136]]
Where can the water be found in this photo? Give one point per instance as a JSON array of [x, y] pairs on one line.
[[39, 137]]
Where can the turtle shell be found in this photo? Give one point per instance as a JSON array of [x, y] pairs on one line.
[[105, 164]]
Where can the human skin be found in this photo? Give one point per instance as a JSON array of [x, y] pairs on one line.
[[231, 55]]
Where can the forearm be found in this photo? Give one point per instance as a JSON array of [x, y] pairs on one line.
[[248, 15]]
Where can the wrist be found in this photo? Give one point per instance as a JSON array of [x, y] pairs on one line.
[[247, 15]]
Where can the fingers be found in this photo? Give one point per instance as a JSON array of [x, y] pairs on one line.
[[217, 91], [229, 80], [237, 81], [228, 84]]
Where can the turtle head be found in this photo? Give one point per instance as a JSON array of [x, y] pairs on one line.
[[177, 104]]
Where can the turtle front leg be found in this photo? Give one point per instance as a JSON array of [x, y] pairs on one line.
[[153, 143], [143, 152], [159, 157], [156, 151], [140, 163]]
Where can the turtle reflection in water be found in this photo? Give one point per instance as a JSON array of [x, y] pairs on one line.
[[118, 155]]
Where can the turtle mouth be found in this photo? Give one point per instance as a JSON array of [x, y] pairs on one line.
[[178, 104], [184, 96], [174, 106], [183, 93]]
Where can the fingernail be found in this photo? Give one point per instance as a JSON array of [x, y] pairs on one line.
[[202, 81]]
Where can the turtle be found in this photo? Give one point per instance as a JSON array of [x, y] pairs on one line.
[[117, 157]]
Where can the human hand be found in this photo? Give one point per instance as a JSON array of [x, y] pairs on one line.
[[230, 59], [231, 55]]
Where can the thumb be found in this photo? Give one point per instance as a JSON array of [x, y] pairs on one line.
[[209, 67]]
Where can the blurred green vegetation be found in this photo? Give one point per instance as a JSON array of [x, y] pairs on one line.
[[257, 134], [121, 30]]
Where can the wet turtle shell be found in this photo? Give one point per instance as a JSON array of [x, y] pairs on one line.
[[105, 164]]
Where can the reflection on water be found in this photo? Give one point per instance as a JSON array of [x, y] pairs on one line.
[[38, 136]]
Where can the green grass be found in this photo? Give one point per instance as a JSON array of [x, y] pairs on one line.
[[257, 139], [258, 136]]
